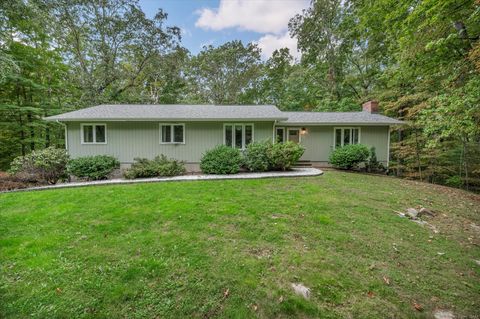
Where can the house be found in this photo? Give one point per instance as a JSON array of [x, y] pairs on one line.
[[185, 132]]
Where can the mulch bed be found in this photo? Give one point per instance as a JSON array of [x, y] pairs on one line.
[[9, 182]]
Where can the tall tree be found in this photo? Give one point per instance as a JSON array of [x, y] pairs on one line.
[[228, 74], [36, 88], [110, 43]]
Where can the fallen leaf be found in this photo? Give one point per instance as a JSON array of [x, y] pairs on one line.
[[417, 306], [386, 279], [254, 307], [226, 293], [280, 300], [370, 294]]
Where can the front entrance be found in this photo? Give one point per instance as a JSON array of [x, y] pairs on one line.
[[293, 135]]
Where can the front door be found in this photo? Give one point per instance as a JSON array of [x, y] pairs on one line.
[[294, 135]]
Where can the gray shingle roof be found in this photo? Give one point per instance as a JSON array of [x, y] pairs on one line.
[[133, 112], [178, 112], [357, 118]]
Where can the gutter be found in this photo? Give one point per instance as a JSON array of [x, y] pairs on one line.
[[166, 119]]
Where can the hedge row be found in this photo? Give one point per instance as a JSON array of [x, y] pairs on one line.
[[258, 157]]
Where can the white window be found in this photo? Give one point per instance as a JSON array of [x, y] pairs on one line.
[[172, 133], [346, 135], [279, 134], [93, 133], [237, 135]]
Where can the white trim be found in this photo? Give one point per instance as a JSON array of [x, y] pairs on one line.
[[66, 135], [343, 128], [94, 133], [244, 146], [388, 147], [294, 129], [171, 132]]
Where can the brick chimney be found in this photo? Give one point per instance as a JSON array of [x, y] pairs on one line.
[[370, 106]]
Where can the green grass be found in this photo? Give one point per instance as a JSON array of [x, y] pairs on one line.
[[171, 250]]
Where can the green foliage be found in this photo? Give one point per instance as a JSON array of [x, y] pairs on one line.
[[257, 156], [349, 156], [226, 74], [373, 165], [92, 167], [421, 59], [221, 160], [160, 166], [47, 165], [283, 156], [454, 181]]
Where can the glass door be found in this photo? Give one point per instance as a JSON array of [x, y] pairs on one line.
[[294, 135]]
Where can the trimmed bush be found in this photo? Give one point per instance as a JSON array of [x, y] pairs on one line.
[[221, 160], [257, 156], [349, 156], [44, 166], [283, 156], [373, 165], [92, 167], [160, 166]]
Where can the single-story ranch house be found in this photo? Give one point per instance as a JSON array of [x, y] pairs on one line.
[[185, 132]]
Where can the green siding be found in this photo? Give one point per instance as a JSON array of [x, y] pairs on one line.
[[127, 140], [318, 141]]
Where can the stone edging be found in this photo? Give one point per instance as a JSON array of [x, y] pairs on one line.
[[296, 172]]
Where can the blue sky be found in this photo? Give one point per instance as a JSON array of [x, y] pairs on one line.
[[214, 22]]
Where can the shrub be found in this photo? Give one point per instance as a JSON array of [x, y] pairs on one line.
[[349, 156], [373, 165], [10, 182], [454, 181], [47, 165], [159, 166], [221, 160], [92, 167], [257, 156], [283, 156]]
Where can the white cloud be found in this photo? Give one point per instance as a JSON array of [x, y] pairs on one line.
[[262, 16], [271, 42]]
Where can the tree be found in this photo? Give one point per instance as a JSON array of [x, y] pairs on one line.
[[110, 44], [228, 74], [37, 85]]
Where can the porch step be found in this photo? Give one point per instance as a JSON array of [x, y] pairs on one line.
[[303, 164]]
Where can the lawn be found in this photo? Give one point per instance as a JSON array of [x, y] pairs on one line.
[[232, 249]]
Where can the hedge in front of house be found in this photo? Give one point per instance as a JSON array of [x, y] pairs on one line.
[[92, 167], [284, 155], [257, 156], [43, 166], [349, 156], [221, 160], [160, 166]]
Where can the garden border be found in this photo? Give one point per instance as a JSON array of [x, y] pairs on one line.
[[295, 172]]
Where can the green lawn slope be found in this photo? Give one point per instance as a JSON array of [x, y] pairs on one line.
[[232, 249]]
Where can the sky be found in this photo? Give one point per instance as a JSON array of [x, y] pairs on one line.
[[214, 22]]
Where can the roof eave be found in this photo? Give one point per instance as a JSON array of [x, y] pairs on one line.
[[163, 119], [341, 123]]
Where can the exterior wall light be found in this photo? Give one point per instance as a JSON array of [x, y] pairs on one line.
[[303, 131]]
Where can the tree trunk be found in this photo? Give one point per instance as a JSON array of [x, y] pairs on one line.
[[32, 131], [417, 154]]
